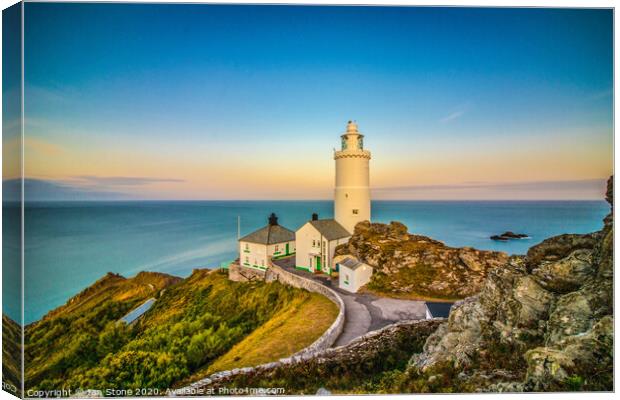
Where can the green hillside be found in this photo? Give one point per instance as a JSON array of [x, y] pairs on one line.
[[11, 355], [193, 322]]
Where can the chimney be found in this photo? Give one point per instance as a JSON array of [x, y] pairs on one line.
[[273, 220], [315, 216]]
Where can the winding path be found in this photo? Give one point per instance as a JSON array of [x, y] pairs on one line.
[[363, 312]]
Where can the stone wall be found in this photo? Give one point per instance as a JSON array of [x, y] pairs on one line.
[[275, 273], [372, 351], [239, 273]]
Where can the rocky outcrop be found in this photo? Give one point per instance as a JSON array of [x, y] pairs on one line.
[[542, 322], [417, 266]]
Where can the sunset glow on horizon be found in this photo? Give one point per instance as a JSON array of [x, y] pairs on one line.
[[196, 102]]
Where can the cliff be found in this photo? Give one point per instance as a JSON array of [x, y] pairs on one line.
[[418, 267], [542, 323]]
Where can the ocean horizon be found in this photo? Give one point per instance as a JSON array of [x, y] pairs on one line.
[[77, 242]]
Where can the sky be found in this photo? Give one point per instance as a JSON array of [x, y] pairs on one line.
[[135, 101]]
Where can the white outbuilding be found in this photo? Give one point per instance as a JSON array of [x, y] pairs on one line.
[[271, 241], [353, 274]]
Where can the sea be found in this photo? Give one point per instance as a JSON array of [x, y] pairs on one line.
[[69, 245]]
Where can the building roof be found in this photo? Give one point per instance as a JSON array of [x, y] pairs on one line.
[[439, 310], [270, 234], [138, 311], [330, 229], [351, 263]]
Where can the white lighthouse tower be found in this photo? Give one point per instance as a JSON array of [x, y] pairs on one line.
[[352, 194]]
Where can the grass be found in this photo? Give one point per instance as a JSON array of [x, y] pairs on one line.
[[294, 328], [195, 322], [11, 355], [373, 366]]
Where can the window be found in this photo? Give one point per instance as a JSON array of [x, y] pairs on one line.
[[356, 211], [247, 260], [277, 248], [344, 143], [247, 246], [360, 143]]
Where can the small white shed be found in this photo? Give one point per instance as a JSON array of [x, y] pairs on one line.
[[353, 274]]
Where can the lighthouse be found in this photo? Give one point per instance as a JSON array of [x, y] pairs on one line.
[[352, 192]]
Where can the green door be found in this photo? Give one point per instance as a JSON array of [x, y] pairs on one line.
[[287, 249], [318, 263]]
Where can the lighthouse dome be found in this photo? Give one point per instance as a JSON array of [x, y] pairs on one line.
[[352, 127]]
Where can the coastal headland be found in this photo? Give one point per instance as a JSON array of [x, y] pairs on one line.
[[205, 324], [541, 322]]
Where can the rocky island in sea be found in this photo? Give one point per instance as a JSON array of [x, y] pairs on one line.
[[508, 235]]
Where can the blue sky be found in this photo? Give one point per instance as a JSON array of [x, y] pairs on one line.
[[195, 101]]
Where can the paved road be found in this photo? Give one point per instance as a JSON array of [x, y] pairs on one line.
[[363, 312], [357, 320]]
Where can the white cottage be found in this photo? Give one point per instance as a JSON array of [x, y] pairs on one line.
[[316, 240], [352, 273], [271, 241]]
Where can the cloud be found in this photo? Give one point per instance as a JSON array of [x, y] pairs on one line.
[[452, 116], [528, 185], [45, 190], [78, 188], [457, 112], [123, 180], [552, 189]]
